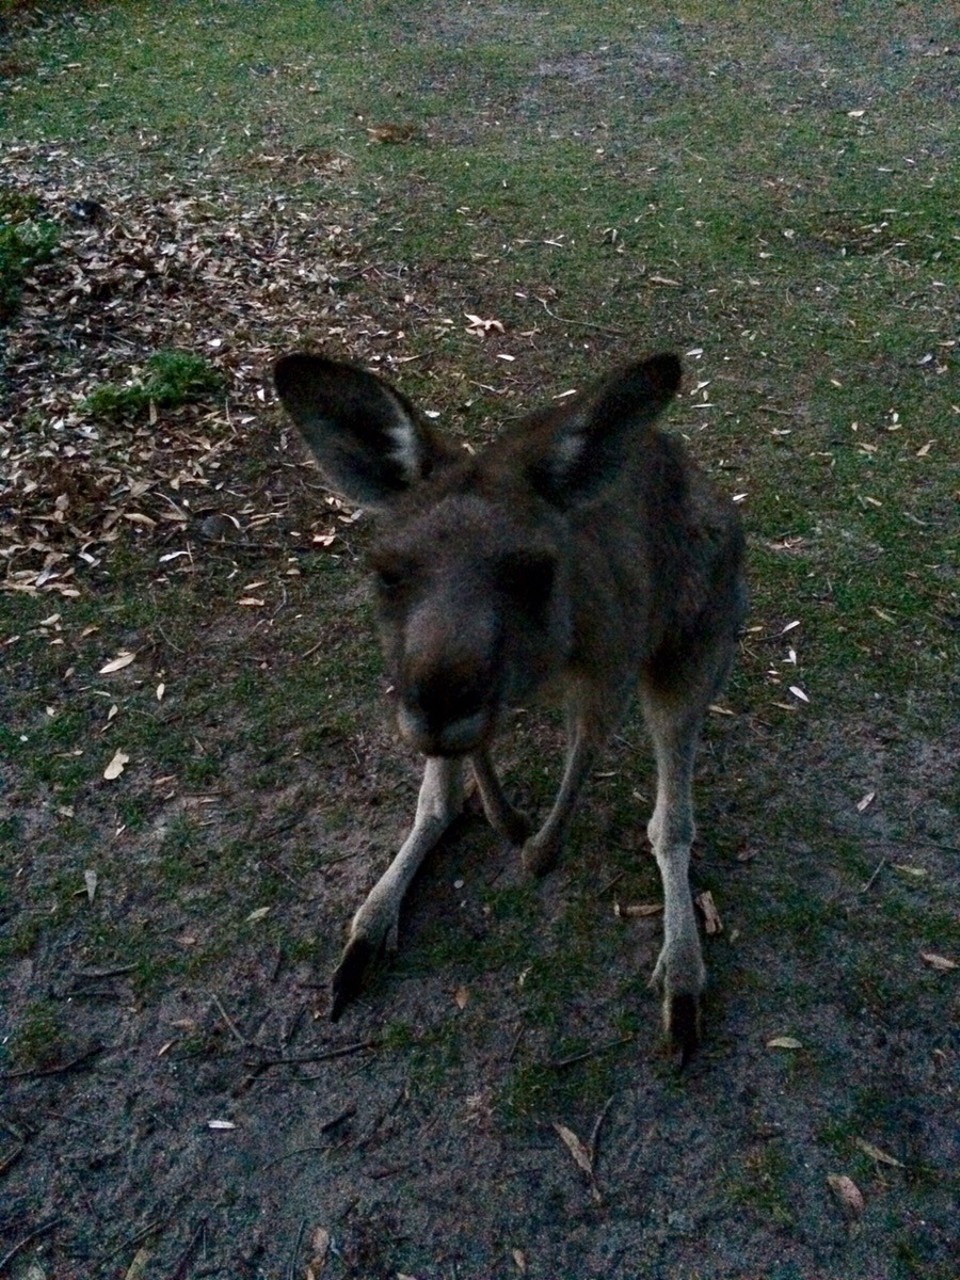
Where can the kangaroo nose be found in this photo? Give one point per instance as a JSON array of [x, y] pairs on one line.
[[446, 710]]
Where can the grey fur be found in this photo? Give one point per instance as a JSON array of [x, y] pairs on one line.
[[583, 555]]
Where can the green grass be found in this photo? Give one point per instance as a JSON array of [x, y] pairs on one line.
[[173, 378], [26, 240]]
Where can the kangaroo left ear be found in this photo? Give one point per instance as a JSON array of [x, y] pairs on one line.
[[585, 448], [369, 440]]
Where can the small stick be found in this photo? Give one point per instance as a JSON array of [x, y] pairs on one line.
[[12, 1158], [583, 324], [292, 1264], [516, 1044], [91, 975], [33, 1072], [187, 1256], [869, 885], [321, 1056], [42, 1230], [596, 1128], [233, 1028], [558, 1064], [610, 883], [304, 1151]]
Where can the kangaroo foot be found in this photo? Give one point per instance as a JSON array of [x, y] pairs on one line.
[[370, 935], [681, 977]]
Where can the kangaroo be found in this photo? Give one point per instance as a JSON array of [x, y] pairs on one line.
[[582, 552]]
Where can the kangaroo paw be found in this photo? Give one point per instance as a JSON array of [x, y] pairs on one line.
[[517, 827], [348, 977], [540, 856], [681, 978], [368, 939], [681, 1020]]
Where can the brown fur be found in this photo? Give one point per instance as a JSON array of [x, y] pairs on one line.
[[583, 551]]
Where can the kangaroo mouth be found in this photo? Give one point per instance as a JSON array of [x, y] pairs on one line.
[[453, 738]]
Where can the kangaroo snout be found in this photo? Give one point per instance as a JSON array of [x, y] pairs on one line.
[[446, 711], [448, 684]]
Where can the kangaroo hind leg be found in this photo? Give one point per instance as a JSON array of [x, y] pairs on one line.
[[674, 710]]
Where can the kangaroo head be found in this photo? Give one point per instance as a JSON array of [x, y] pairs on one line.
[[474, 558]]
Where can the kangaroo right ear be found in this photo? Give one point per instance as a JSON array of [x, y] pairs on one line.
[[367, 437], [583, 446]]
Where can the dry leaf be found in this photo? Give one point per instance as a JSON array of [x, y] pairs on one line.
[[161, 690], [116, 766], [876, 1154], [90, 880], [940, 963], [520, 1258], [798, 693], [711, 916], [580, 1153], [847, 1192], [258, 914], [784, 1042], [220, 1124], [320, 1244], [123, 659], [482, 327], [138, 1267], [637, 910], [394, 133], [461, 997], [868, 799]]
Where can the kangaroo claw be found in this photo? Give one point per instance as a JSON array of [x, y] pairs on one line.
[[681, 1016], [348, 977], [539, 857]]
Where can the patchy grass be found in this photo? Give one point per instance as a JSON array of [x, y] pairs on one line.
[[173, 378], [776, 203], [25, 241]]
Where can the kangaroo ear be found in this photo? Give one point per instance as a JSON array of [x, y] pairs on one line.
[[368, 439], [584, 448]]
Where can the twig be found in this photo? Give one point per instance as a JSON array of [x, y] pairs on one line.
[[596, 1129], [869, 885], [516, 1043], [33, 1072], [292, 1264], [303, 1151], [142, 1234], [321, 1056], [289, 1155], [232, 1026], [558, 1064], [610, 883], [341, 857], [12, 1158], [583, 324], [187, 1256], [91, 975], [42, 1230]]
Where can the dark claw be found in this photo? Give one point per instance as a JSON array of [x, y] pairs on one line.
[[349, 974], [519, 828], [683, 1025]]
